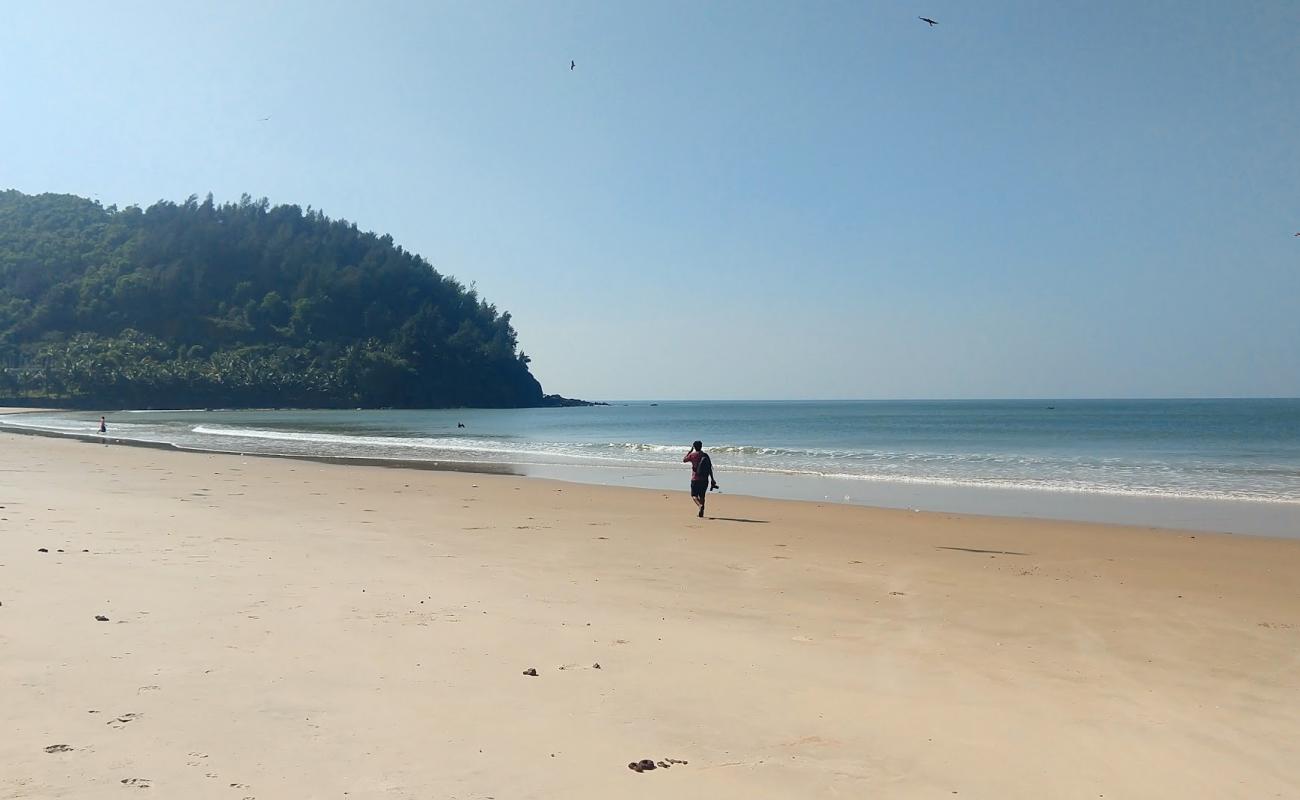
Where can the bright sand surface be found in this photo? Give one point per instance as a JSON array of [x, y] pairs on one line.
[[290, 629]]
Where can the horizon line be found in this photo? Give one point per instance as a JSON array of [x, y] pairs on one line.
[[1097, 398]]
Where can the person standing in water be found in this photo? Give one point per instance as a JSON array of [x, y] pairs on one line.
[[103, 425], [701, 473]]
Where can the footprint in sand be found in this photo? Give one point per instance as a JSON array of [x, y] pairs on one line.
[[139, 783], [120, 722]]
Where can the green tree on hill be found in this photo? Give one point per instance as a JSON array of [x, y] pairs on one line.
[[239, 304]]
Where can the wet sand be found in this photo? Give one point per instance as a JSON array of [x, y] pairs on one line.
[[282, 629]]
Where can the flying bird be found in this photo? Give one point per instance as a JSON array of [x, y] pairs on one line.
[[263, 119], [931, 22], [571, 66]]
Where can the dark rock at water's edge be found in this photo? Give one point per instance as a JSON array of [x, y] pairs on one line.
[[556, 401]]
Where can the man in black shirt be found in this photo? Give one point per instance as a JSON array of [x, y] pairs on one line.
[[701, 473]]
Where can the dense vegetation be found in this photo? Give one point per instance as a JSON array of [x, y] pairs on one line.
[[244, 304]]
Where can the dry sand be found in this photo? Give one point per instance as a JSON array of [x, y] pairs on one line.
[[289, 629]]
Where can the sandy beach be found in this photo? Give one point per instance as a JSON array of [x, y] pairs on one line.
[[292, 629]]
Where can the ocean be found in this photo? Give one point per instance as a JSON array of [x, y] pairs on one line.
[[1205, 464]]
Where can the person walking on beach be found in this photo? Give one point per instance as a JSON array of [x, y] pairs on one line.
[[701, 473]]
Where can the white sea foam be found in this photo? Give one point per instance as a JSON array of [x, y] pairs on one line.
[[448, 444], [879, 467]]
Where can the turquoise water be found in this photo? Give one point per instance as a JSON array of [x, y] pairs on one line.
[[1213, 450]]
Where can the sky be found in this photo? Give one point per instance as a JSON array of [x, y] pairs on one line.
[[740, 200]]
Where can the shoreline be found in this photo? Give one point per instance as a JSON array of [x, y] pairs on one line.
[[307, 629], [1259, 518], [475, 468]]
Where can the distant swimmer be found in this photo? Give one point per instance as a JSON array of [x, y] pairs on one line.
[[572, 64], [931, 22], [701, 473], [103, 425]]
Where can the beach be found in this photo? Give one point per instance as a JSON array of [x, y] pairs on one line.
[[282, 628]]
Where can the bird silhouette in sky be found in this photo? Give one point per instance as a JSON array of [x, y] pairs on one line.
[[263, 119], [571, 66], [931, 22]]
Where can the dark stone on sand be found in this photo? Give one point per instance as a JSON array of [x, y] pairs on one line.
[[595, 666], [632, 765], [42, 550], [531, 672], [101, 618], [645, 764]]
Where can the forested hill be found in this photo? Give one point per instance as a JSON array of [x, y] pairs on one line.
[[197, 304]]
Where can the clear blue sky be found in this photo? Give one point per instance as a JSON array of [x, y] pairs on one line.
[[741, 200]]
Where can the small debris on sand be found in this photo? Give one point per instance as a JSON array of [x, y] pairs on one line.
[[101, 618], [57, 748], [595, 666], [531, 672], [641, 766], [42, 550]]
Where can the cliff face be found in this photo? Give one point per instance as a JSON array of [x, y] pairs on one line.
[[197, 304]]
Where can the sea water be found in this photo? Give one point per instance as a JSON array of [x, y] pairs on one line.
[[1208, 464]]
